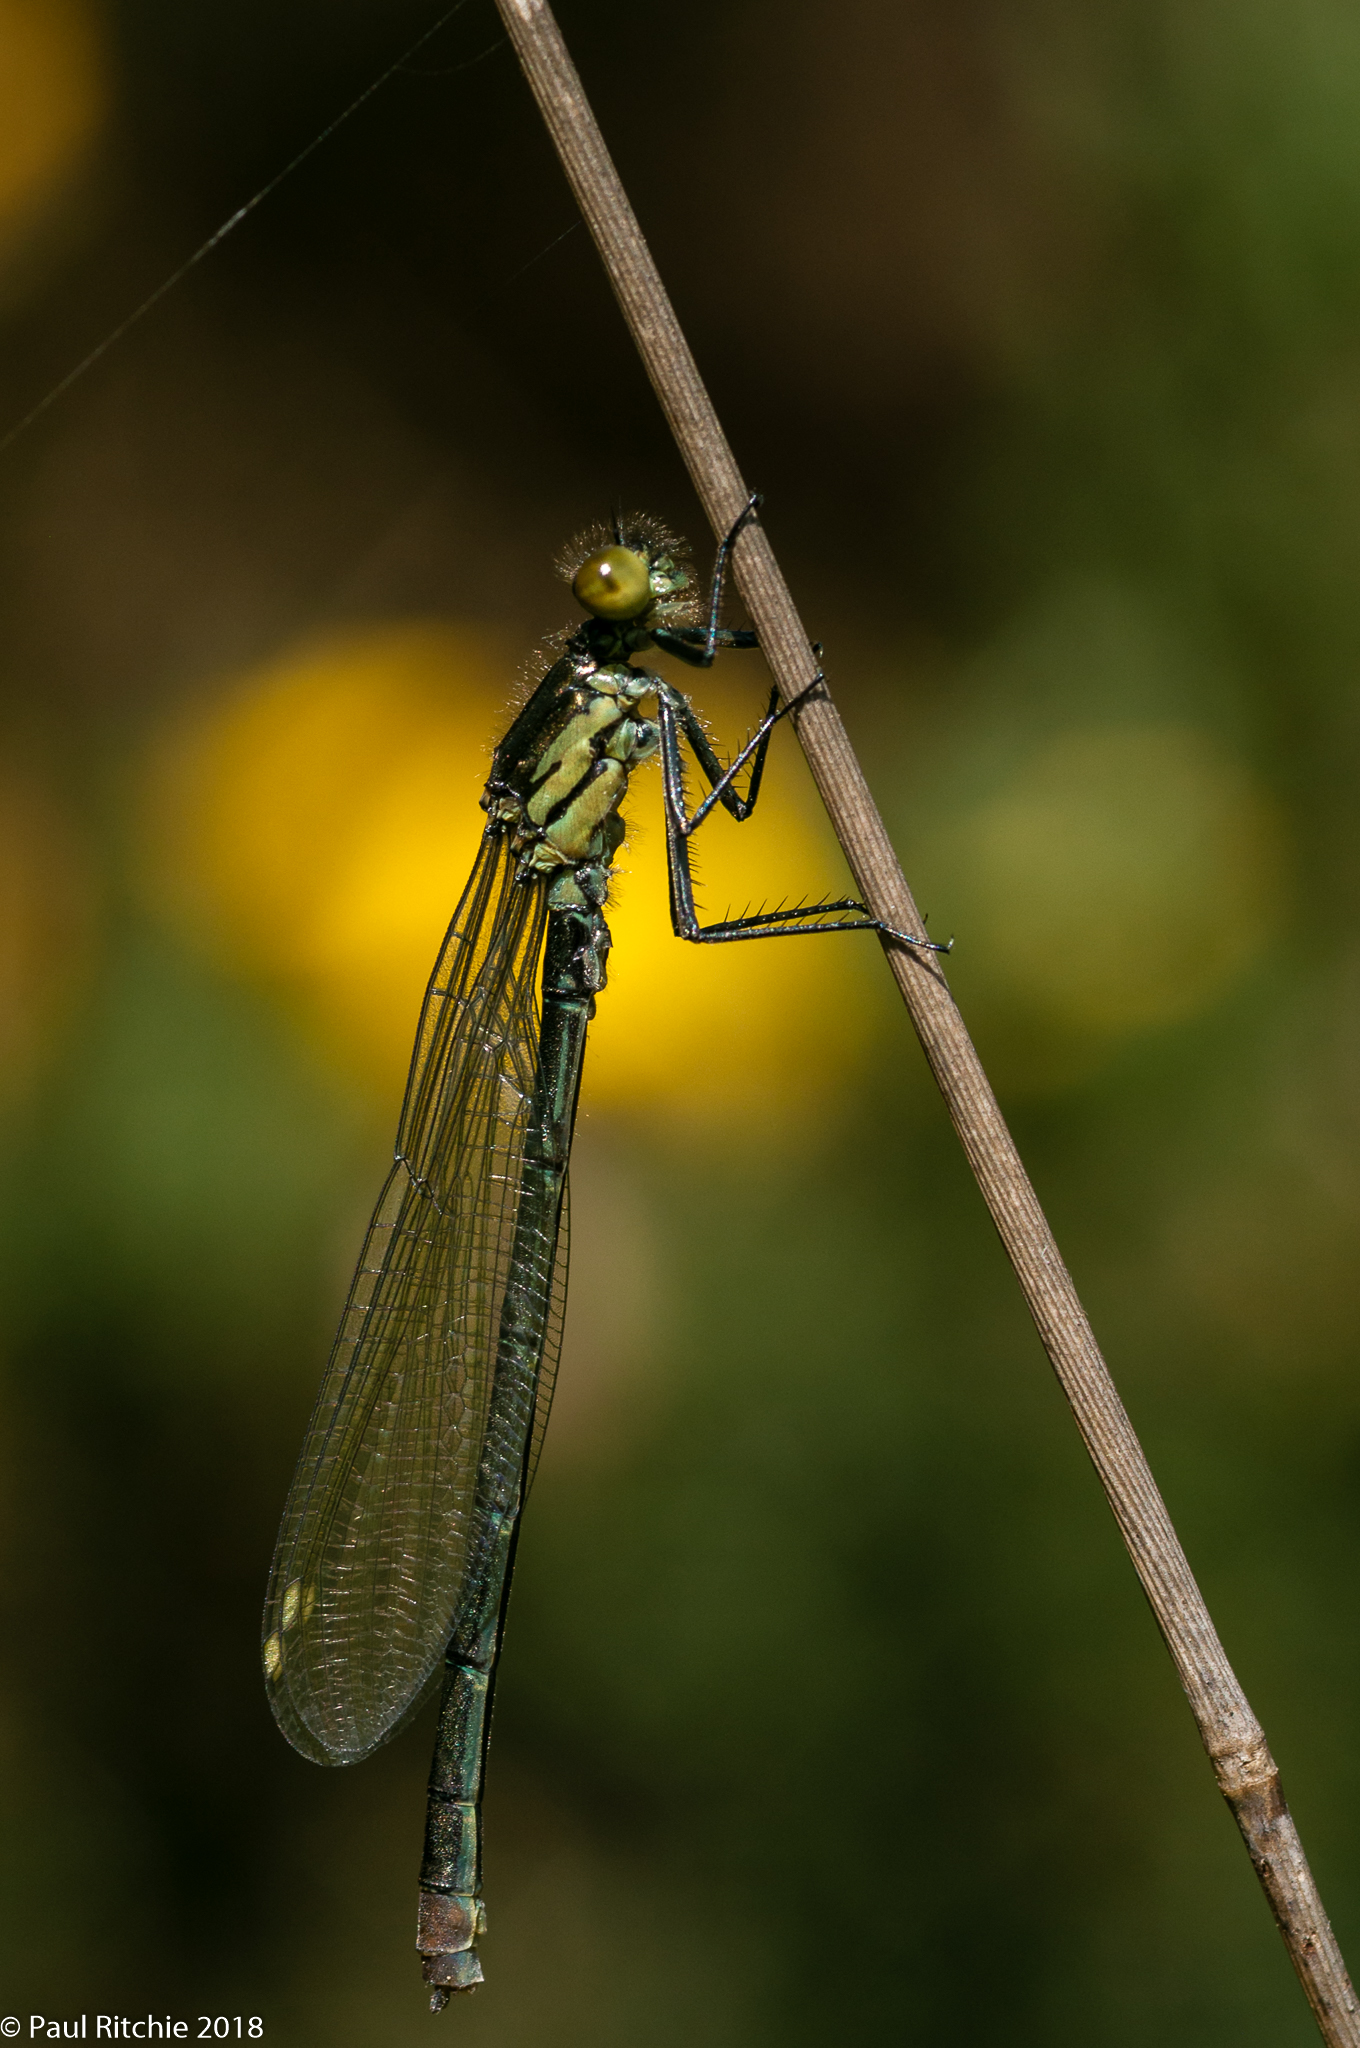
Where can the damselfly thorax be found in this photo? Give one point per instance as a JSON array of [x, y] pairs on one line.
[[561, 808]]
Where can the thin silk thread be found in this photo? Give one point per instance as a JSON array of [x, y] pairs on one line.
[[220, 234]]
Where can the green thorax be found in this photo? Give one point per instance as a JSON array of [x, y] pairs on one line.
[[562, 770]]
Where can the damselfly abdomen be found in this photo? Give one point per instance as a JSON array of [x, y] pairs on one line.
[[394, 1559]]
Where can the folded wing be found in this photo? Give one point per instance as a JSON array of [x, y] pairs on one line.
[[373, 1545]]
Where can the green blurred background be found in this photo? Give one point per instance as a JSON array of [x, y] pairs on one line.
[[831, 1709]]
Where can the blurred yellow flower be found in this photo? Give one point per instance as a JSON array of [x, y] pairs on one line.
[[52, 98], [316, 825], [1119, 880]]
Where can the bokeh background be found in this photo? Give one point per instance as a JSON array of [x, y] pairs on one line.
[[831, 1709]]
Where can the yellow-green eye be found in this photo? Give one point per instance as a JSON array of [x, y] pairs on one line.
[[615, 584]]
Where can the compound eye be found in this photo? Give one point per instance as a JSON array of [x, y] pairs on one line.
[[615, 584]]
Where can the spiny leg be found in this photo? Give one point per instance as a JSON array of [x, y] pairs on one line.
[[676, 710], [846, 914], [676, 716], [746, 517], [698, 645]]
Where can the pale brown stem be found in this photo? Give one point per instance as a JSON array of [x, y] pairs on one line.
[[1246, 1772]]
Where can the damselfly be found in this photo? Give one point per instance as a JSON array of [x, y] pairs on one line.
[[394, 1559]]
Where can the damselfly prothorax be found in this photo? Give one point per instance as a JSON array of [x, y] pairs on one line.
[[394, 1559]]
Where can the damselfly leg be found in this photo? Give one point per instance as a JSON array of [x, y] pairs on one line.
[[698, 645], [678, 721]]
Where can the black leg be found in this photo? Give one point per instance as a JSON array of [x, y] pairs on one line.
[[750, 511], [698, 644], [845, 914], [691, 644], [677, 715]]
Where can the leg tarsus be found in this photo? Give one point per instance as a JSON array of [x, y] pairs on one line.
[[749, 511], [906, 939], [783, 924]]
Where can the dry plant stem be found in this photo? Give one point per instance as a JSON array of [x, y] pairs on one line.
[[1233, 1737]]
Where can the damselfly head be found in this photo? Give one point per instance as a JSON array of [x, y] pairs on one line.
[[632, 569]]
